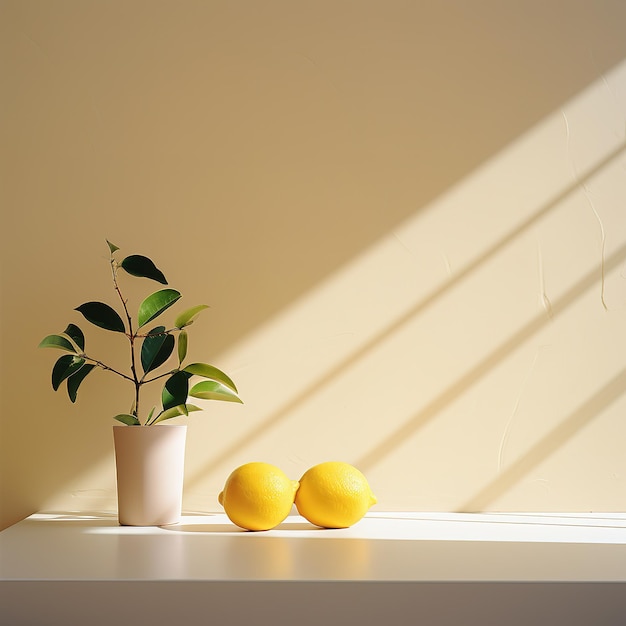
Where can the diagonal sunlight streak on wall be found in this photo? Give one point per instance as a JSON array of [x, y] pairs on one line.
[[566, 429], [441, 319], [384, 448], [481, 369]]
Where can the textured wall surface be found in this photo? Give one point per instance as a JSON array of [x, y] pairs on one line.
[[409, 220]]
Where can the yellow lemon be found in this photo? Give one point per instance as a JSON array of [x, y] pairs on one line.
[[334, 495], [258, 496]]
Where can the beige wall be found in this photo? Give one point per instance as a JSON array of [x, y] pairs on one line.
[[409, 219]]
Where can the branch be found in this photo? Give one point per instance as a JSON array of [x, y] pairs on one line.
[[150, 380], [104, 366], [163, 332]]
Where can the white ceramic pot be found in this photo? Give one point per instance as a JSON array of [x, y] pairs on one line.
[[149, 461]]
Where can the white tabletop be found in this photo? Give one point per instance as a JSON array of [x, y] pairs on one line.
[[381, 547]]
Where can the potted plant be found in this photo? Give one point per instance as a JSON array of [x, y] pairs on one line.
[[149, 480]]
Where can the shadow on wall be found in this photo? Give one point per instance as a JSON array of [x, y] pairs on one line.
[[418, 102]]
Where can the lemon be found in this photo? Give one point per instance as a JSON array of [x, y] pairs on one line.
[[258, 496], [334, 495]]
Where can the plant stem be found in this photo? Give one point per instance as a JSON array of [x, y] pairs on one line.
[[131, 338]]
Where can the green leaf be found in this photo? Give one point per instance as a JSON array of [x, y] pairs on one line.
[[187, 317], [57, 341], [129, 420], [176, 411], [155, 304], [143, 267], [213, 390], [112, 247], [175, 390], [64, 368], [76, 335], [156, 348], [182, 346], [209, 371], [102, 315], [75, 380]]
